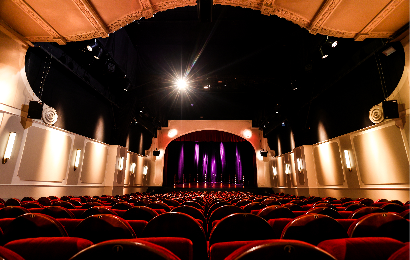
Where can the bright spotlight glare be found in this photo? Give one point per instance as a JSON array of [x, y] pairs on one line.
[[334, 44], [182, 84]]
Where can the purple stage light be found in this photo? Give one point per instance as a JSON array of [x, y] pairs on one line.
[[238, 165], [181, 165], [205, 166]]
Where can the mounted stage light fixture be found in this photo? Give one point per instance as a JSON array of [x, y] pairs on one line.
[[145, 170], [323, 54], [120, 163], [275, 171], [91, 47], [100, 52], [287, 169], [9, 147], [132, 169], [347, 160]]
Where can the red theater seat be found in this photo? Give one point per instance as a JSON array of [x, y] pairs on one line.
[[279, 249], [181, 247], [96, 211], [278, 224], [123, 249], [48, 248], [313, 229], [57, 212], [275, 211], [401, 254], [365, 211], [7, 254], [375, 248], [138, 226], [140, 213], [69, 224], [12, 212]]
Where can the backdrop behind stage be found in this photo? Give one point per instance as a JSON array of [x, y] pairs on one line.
[[210, 157]]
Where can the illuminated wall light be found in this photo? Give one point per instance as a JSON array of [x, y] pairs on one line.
[[287, 170], [172, 133], [145, 170], [275, 171], [77, 159], [132, 169], [300, 164], [120, 163], [9, 147], [247, 133], [347, 159]]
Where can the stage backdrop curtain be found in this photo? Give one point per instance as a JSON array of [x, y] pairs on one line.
[[223, 157]]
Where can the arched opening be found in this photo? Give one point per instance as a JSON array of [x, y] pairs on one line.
[[210, 157]]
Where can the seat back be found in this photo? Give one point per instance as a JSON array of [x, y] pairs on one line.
[[280, 249], [12, 212], [193, 212], [325, 211], [272, 212], [375, 248], [33, 225], [365, 211], [176, 224], [381, 225], [125, 250], [241, 227], [48, 248], [253, 206], [8, 254], [57, 212], [64, 204], [313, 228], [103, 227], [140, 213], [96, 211]]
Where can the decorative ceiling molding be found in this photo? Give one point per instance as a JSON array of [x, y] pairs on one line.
[[165, 5], [123, 21], [268, 7], [390, 7], [291, 16], [326, 10], [92, 16], [14, 35], [84, 36], [40, 21], [147, 10], [336, 33]]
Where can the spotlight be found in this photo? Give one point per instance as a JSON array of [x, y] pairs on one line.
[[182, 84], [334, 44], [98, 56], [91, 47], [247, 133], [323, 54], [172, 133]]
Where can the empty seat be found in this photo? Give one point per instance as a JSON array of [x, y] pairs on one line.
[[120, 249], [176, 224], [313, 228], [401, 254], [375, 248], [328, 211], [48, 248], [181, 247], [57, 212], [159, 205], [381, 225], [193, 204], [97, 211], [88, 205], [241, 227], [12, 212], [44, 201], [216, 205], [103, 227], [193, 212], [405, 214], [354, 206], [222, 212], [279, 249], [140, 213], [253, 206], [33, 225], [393, 207], [122, 205], [272, 212], [8, 254], [365, 211], [64, 204], [13, 202]]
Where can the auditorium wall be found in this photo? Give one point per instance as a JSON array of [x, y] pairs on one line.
[[379, 157]]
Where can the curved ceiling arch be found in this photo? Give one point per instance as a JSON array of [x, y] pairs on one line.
[[40, 21]]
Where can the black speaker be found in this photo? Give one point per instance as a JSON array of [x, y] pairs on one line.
[[264, 153], [156, 153], [205, 10], [390, 109], [35, 110]]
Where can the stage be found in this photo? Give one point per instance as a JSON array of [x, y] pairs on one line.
[[209, 186]]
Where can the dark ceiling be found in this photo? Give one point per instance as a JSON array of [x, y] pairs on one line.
[[259, 68]]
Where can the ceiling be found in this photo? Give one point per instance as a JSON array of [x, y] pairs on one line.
[[261, 61]]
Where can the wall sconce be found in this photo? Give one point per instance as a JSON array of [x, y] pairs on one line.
[[287, 170], [77, 159], [347, 159], [145, 170], [275, 171], [9, 147], [300, 164], [120, 163], [172, 133], [133, 165], [247, 133]]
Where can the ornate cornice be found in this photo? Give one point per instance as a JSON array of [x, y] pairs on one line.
[[40, 21], [126, 19], [14, 35], [84, 36], [92, 16], [336, 33], [366, 31], [291, 16], [166, 5], [323, 15]]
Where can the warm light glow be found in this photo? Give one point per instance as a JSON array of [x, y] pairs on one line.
[[172, 133], [77, 159], [182, 84], [334, 44], [275, 171], [287, 170], [145, 171], [348, 161], [120, 163], [300, 164], [247, 133], [9, 147], [132, 169]]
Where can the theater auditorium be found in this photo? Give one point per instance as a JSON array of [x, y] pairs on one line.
[[207, 129]]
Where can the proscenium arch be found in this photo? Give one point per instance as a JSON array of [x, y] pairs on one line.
[[216, 137]]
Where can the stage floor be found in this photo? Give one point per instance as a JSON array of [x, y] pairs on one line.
[[208, 185]]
